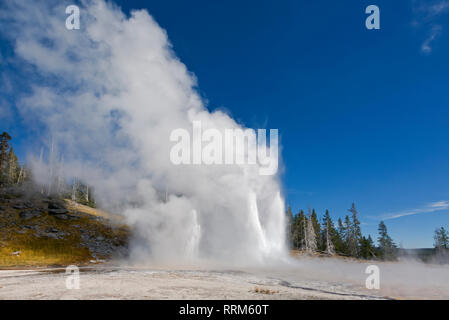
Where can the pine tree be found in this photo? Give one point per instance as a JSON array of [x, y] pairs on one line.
[[347, 234], [355, 234], [4, 147], [294, 231], [340, 246], [367, 248], [387, 248], [316, 229], [290, 227], [13, 169], [302, 226], [299, 230], [329, 234], [441, 239]]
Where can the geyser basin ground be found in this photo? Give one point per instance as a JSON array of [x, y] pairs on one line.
[[308, 279]]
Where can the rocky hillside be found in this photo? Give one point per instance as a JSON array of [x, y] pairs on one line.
[[36, 230]]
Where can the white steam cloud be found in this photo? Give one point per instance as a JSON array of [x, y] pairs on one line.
[[109, 95]]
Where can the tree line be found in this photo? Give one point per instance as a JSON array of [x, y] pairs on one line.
[[307, 233], [441, 238], [13, 174]]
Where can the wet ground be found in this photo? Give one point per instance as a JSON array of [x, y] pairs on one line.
[[308, 279]]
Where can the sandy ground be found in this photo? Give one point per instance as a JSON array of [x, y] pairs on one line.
[[310, 279]]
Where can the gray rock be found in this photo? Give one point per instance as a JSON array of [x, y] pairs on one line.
[[56, 205], [52, 230], [51, 235], [29, 204], [2, 208], [26, 215], [57, 211], [36, 228], [19, 206], [61, 216]]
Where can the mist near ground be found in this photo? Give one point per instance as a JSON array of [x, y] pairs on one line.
[[339, 278], [306, 278], [408, 278], [104, 100]]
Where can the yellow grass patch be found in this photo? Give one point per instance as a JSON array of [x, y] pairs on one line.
[[33, 250], [264, 291]]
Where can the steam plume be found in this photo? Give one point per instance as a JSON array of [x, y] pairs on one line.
[[109, 95]]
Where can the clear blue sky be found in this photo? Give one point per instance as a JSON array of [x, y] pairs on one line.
[[363, 114]]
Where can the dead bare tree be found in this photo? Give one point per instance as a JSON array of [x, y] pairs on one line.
[[311, 243]]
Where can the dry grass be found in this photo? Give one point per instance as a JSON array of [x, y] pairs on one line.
[[265, 291], [77, 207], [43, 252]]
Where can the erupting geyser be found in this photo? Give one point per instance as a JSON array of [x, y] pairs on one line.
[[110, 94]]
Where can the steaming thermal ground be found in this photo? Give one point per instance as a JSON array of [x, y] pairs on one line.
[[108, 96]]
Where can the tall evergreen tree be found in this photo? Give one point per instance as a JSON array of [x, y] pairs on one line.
[[290, 228], [329, 234], [4, 147], [316, 229], [355, 234], [441, 239], [341, 245], [13, 169], [299, 228], [347, 234], [367, 248], [387, 248]]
